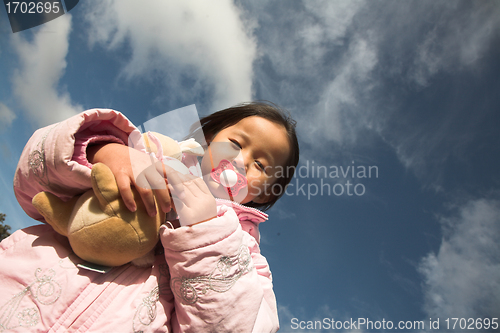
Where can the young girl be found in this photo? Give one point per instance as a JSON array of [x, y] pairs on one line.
[[209, 277]]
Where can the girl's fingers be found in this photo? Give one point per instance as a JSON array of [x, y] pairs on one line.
[[163, 199], [200, 184], [150, 181], [154, 179], [123, 183], [192, 200], [133, 168], [144, 188], [174, 178], [148, 200], [159, 186]]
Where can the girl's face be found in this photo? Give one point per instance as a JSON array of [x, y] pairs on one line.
[[257, 148]]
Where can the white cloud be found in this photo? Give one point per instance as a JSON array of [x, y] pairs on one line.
[[6, 116], [347, 67], [42, 64], [457, 40], [338, 115], [336, 16], [298, 44], [463, 279], [320, 65], [416, 42], [207, 39]]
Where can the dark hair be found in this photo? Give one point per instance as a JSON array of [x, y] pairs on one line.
[[215, 122]]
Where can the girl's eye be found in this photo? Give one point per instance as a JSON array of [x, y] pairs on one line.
[[236, 144], [260, 166]]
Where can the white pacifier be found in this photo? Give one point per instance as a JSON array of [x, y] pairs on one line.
[[228, 178], [225, 175]]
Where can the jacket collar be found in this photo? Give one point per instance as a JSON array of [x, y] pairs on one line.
[[244, 213], [249, 217]]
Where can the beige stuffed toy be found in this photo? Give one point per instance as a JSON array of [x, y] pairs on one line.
[[99, 227]]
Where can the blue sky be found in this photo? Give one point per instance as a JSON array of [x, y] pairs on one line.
[[409, 88]]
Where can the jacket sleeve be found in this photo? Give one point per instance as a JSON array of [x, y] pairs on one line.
[[220, 281], [51, 160]]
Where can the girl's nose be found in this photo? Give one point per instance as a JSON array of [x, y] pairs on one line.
[[239, 164]]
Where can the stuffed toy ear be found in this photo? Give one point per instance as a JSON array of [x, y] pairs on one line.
[[104, 186], [190, 146], [56, 212], [169, 147]]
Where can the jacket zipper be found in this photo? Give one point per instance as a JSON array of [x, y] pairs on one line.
[[244, 208]]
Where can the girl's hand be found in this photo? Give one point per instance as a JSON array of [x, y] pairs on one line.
[[143, 175], [192, 199]]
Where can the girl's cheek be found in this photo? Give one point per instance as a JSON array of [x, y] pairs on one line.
[[254, 187]]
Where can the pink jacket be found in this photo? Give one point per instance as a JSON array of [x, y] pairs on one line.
[[209, 277]]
